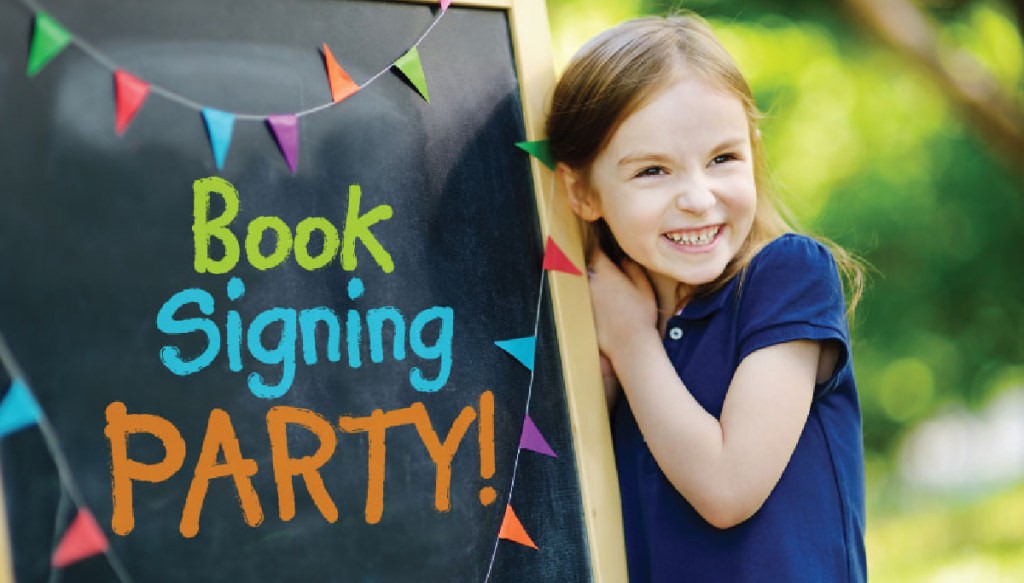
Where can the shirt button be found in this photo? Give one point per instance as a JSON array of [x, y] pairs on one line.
[[675, 333]]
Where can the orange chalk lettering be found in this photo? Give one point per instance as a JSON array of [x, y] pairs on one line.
[[442, 453], [220, 436], [124, 470], [286, 467], [375, 426]]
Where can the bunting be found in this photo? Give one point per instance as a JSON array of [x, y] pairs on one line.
[[82, 539], [511, 529], [18, 409], [533, 440], [445, 4], [555, 259], [129, 94], [219, 125], [521, 348], [286, 131], [540, 150], [410, 66], [342, 85], [48, 39]]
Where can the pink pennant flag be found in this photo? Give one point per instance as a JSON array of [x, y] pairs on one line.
[[286, 131], [555, 259], [129, 94], [82, 539], [533, 440], [445, 4]]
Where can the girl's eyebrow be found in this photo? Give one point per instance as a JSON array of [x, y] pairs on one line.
[[730, 144], [643, 157]]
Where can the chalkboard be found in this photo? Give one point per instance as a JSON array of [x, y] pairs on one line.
[[137, 305]]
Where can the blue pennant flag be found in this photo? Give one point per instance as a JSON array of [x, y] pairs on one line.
[[18, 409], [521, 348], [219, 124]]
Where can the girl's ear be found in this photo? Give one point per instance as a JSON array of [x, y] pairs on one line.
[[582, 200]]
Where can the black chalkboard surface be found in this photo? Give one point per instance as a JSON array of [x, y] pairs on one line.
[[117, 315]]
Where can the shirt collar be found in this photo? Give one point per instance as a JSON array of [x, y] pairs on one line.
[[704, 306]]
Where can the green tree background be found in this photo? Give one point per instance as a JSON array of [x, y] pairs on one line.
[[908, 150]]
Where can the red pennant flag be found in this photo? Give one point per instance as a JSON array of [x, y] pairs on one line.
[[555, 259], [82, 540], [512, 529], [129, 93], [342, 85]]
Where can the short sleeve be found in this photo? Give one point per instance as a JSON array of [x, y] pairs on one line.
[[792, 291]]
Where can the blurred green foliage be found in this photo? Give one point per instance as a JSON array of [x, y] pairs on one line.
[[868, 152]]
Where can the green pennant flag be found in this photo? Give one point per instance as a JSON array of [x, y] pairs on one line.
[[539, 149], [409, 65], [48, 39]]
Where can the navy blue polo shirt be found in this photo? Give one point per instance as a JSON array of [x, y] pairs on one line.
[[811, 527]]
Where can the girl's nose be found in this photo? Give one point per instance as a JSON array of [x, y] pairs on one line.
[[695, 196]]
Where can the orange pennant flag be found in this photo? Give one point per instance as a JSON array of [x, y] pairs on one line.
[[512, 529], [342, 85], [82, 540], [555, 259]]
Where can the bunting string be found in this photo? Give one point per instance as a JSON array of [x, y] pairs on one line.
[[549, 208], [67, 479], [100, 57]]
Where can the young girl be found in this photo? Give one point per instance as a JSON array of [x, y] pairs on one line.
[[738, 440]]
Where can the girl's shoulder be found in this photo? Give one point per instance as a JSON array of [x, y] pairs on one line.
[[793, 254]]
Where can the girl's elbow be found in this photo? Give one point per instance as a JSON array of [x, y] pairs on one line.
[[725, 520], [724, 512]]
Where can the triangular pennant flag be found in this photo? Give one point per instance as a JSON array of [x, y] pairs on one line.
[[341, 84], [521, 348], [445, 4], [555, 259], [219, 124], [538, 149], [129, 94], [511, 529], [48, 39], [82, 539], [18, 409], [533, 440], [286, 131], [409, 65]]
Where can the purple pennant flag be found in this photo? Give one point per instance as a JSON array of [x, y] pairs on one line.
[[286, 131], [533, 440]]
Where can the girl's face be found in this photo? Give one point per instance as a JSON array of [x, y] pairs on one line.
[[676, 185]]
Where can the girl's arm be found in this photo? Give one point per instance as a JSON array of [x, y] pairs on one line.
[[726, 468]]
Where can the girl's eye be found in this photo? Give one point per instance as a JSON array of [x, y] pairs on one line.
[[650, 171], [723, 158]]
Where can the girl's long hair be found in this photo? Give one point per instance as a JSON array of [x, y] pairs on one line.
[[615, 74]]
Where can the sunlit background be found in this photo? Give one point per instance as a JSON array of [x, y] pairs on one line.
[[908, 150]]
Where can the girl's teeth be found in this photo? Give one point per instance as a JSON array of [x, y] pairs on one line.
[[702, 237]]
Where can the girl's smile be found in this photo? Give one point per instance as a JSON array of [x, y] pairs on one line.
[[699, 240]]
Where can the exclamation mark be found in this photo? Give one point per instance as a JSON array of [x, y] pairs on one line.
[[486, 435]]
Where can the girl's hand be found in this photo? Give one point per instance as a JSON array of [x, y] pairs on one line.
[[623, 302]]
